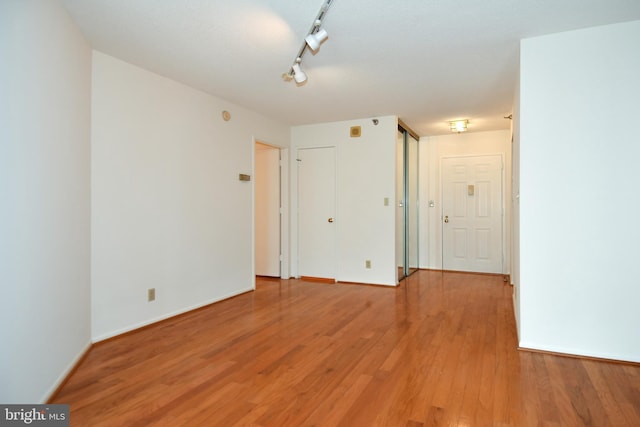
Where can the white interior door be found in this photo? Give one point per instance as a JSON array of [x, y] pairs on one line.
[[316, 212], [267, 210], [472, 214]]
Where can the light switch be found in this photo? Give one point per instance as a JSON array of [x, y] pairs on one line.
[[386, 201], [471, 189]]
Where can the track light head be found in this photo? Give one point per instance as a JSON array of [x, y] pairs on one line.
[[298, 75], [314, 40]]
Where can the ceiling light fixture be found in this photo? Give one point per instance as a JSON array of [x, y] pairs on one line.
[[458, 125], [313, 40], [299, 75]]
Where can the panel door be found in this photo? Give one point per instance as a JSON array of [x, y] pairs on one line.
[[472, 214]]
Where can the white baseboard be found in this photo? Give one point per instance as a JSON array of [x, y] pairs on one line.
[[578, 352], [167, 316], [63, 376]]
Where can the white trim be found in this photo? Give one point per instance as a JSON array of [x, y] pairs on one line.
[[515, 313], [285, 222], [65, 373], [579, 352]]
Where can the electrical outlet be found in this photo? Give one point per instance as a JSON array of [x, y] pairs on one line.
[[151, 294], [367, 263]]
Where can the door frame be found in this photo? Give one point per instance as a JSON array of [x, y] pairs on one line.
[[285, 247], [503, 206]]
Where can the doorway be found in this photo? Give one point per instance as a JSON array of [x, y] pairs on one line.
[[268, 213], [472, 214]]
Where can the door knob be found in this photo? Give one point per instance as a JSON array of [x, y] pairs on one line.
[[446, 219], [330, 220]]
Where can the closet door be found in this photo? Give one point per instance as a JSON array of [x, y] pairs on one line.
[[411, 171], [407, 217], [400, 212], [316, 213]]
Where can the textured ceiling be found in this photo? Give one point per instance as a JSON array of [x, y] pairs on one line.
[[427, 61]]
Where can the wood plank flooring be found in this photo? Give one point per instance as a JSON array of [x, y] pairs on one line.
[[439, 350]]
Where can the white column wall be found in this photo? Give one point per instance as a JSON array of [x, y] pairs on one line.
[[45, 101], [579, 228], [515, 205]]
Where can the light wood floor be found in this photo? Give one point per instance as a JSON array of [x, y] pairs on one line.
[[440, 350]]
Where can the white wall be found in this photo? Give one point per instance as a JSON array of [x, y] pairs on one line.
[[44, 198], [432, 150], [579, 178], [365, 176], [168, 209]]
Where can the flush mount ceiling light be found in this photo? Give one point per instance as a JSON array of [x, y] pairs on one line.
[[458, 125], [313, 40]]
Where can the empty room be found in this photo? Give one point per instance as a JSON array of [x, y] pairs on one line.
[[331, 212]]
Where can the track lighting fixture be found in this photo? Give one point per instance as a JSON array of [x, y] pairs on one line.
[[313, 40]]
